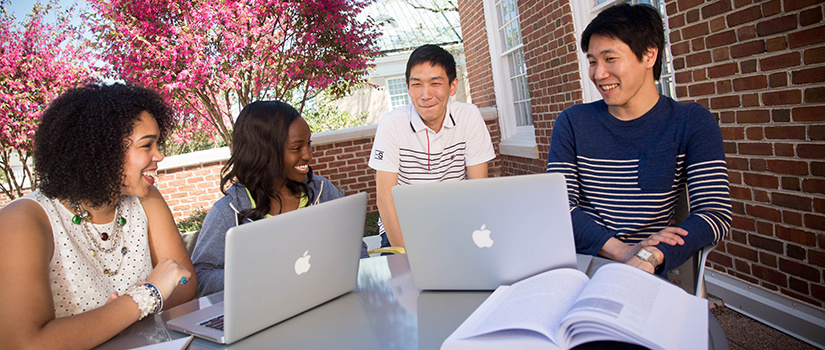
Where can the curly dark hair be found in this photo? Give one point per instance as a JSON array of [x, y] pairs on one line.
[[257, 159], [80, 144]]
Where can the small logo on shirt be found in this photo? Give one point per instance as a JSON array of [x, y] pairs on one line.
[[379, 154]]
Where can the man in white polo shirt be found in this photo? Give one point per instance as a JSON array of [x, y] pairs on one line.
[[430, 140]]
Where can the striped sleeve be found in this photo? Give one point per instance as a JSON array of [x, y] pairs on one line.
[[589, 233], [708, 189]]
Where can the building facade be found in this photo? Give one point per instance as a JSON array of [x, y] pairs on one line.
[[758, 66]]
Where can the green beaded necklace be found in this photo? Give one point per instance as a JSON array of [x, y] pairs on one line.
[[83, 218], [83, 215]]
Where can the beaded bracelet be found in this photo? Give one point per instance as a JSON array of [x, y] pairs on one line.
[[147, 298], [159, 297]]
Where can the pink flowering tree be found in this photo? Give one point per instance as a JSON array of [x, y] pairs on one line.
[[212, 57], [38, 61]]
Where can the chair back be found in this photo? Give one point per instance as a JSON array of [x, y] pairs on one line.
[[691, 274]]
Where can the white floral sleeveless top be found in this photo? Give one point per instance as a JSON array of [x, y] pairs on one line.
[[76, 271]]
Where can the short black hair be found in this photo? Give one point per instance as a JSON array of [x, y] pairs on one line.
[[435, 56], [80, 144], [638, 26], [259, 139]]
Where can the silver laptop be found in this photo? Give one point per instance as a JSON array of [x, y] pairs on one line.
[[479, 234], [281, 266]]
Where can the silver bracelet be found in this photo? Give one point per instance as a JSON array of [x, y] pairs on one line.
[[147, 298]]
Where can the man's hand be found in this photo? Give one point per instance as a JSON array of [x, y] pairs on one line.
[[669, 235], [644, 264]]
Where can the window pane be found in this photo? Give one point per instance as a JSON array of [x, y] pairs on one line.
[[512, 64], [512, 10], [397, 89], [514, 86], [397, 86], [521, 66], [666, 87], [503, 11], [525, 87], [510, 35], [523, 114]]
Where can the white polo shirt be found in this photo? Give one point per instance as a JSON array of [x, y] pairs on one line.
[[404, 145]]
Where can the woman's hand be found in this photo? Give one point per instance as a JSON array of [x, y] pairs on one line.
[[112, 297], [167, 275]]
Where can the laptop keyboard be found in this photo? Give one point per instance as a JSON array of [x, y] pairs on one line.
[[215, 323]]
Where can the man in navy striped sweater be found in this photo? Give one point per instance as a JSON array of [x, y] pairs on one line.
[[628, 156]]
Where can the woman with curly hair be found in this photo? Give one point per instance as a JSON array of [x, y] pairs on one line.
[[270, 174], [95, 248]]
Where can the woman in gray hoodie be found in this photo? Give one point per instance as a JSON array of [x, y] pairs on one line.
[[269, 174]]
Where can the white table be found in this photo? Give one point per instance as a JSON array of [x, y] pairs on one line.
[[385, 311]]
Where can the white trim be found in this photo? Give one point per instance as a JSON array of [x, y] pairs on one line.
[[333, 136], [222, 154], [194, 158], [503, 94], [581, 10], [778, 311], [520, 145], [406, 92], [511, 50], [516, 140], [488, 113]]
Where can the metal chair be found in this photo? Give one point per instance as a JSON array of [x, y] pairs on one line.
[[691, 274]]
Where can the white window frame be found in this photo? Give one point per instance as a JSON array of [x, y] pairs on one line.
[[586, 11], [390, 95], [516, 140]]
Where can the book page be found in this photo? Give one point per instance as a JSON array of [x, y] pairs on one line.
[[631, 305], [536, 304]]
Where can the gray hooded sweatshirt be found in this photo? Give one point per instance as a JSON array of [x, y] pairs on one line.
[[208, 255]]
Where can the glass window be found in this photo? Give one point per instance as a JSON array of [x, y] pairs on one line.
[[512, 54], [397, 89]]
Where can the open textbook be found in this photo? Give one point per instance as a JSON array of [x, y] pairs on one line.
[[563, 308]]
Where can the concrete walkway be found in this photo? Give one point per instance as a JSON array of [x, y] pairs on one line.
[[745, 333]]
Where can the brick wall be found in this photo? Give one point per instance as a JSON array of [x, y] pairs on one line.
[[344, 163], [552, 65], [552, 69], [477, 53], [480, 74], [341, 156], [5, 199], [191, 182], [759, 67], [189, 188]]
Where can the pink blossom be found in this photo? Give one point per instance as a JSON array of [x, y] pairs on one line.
[[210, 57], [38, 61]]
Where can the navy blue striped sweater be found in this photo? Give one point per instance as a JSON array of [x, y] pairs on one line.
[[624, 177]]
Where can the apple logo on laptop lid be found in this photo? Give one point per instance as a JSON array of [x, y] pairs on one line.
[[481, 237], [302, 264]]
